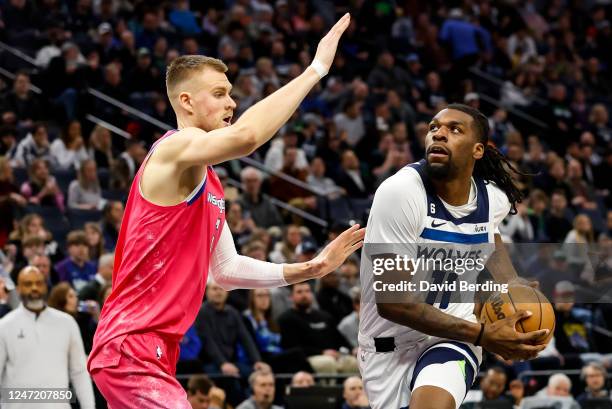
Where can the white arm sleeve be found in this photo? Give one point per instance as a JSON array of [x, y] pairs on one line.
[[231, 270]]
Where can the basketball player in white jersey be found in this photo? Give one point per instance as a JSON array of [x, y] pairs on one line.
[[425, 355]]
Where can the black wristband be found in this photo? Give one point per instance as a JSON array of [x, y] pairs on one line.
[[482, 327]]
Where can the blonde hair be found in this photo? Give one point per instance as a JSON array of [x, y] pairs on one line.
[[85, 184], [36, 163], [95, 138], [595, 109], [183, 67], [588, 237], [22, 228]]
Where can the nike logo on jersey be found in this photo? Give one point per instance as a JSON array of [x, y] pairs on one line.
[[434, 225]]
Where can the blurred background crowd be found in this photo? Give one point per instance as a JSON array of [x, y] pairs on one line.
[[83, 98]]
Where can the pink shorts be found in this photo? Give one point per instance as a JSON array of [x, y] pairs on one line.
[[143, 376]]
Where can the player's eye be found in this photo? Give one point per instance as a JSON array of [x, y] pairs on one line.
[[433, 127], [456, 129]]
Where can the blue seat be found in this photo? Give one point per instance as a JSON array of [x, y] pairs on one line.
[[21, 176], [339, 210], [114, 194], [360, 208], [78, 217], [104, 177], [64, 178]]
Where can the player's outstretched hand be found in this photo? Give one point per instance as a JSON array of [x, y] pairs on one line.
[[502, 338], [326, 50], [334, 254]]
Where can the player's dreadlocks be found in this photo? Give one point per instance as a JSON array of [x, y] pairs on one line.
[[493, 166]]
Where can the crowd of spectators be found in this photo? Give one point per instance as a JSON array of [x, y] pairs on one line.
[[540, 71]]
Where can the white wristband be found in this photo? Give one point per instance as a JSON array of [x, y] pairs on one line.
[[319, 68]]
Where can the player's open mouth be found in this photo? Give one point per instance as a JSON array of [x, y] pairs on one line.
[[227, 120], [437, 151]]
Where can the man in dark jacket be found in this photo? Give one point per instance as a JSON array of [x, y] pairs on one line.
[[352, 178], [26, 105], [228, 347], [314, 332], [332, 300]]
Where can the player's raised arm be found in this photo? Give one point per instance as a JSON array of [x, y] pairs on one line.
[[260, 122]]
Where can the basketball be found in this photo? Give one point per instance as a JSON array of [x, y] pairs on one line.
[[521, 297]]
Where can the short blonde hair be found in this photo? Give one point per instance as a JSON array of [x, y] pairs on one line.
[[183, 67]]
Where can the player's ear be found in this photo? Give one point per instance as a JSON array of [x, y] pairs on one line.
[[186, 101], [478, 151]]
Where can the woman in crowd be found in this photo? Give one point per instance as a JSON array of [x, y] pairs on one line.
[[101, 147], [33, 225], [266, 334], [42, 189], [111, 223], [84, 192], [240, 226], [284, 251], [86, 313], [69, 151], [95, 240], [578, 240]]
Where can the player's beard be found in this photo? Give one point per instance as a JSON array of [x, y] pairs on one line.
[[440, 171]]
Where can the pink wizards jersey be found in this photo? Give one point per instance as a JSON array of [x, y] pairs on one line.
[[161, 266]]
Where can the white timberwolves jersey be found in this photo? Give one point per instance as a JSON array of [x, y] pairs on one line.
[[407, 210]]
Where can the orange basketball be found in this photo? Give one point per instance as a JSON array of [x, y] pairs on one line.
[[521, 297]]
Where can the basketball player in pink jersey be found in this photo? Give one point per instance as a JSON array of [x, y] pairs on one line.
[[173, 231]]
